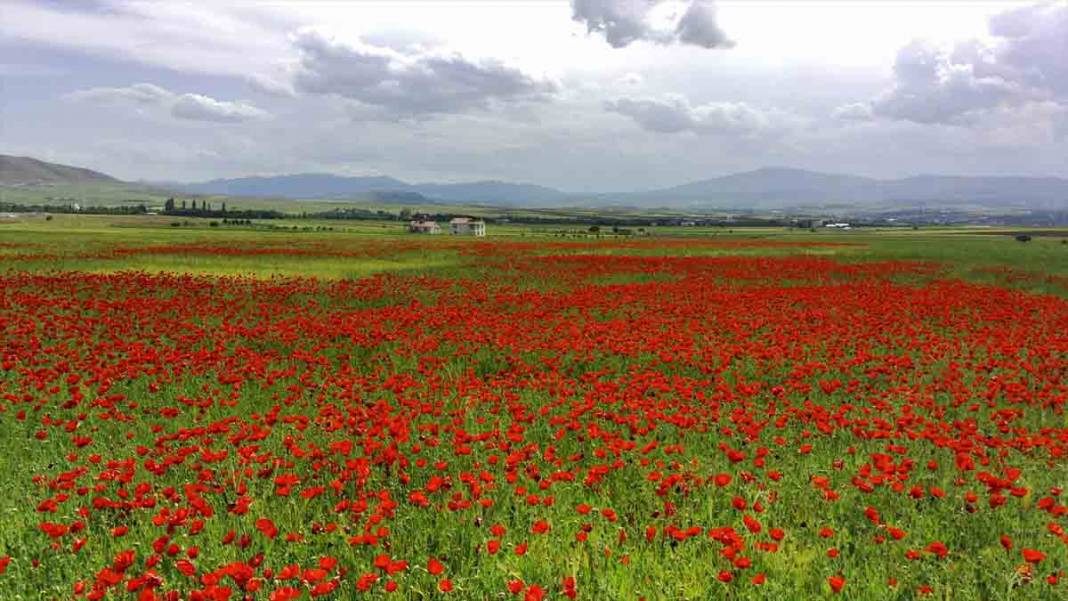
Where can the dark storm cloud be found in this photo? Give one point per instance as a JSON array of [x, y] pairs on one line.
[[698, 27]]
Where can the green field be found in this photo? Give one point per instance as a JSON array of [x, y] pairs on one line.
[[76, 241], [301, 409]]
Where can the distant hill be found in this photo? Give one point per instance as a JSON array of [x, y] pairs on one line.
[[26, 171], [304, 185], [494, 192], [322, 185], [768, 187], [1031, 192], [779, 187]]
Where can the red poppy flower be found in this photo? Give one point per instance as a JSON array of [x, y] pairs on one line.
[[836, 582], [1032, 555], [266, 527]]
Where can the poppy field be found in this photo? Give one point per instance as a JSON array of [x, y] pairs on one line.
[[531, 419]]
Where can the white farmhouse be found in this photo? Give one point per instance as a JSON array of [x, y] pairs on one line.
[[467, 226]]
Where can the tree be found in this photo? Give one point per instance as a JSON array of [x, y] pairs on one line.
[[405, 214], [169, 205]]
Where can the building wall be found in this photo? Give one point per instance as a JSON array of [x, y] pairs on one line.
[[468, 229], [422, 229]]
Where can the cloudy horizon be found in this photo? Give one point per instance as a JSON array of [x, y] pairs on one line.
[[587, 95]]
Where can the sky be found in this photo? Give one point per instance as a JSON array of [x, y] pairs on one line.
[[581, 95]]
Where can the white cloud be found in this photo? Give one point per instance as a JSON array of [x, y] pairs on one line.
[[856, 111], [193, 107], [1026, 62], [1035, 45], [203, 108], [138, 93], [623, 22], [932, 86], [409, 83], [674, 114]]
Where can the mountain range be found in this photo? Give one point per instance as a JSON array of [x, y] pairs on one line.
[[767, 188], [779, 187], [764, 189]]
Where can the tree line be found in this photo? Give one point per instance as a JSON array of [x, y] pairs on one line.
[[10, 207], [205, 209]]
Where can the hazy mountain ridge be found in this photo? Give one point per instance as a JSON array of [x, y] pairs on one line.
[[769, 187], [322, 185], [778, 187], [766, 188], [494, 191], [303, 185]]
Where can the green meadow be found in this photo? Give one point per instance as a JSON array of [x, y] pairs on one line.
[[584, 390], [79, 242]]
